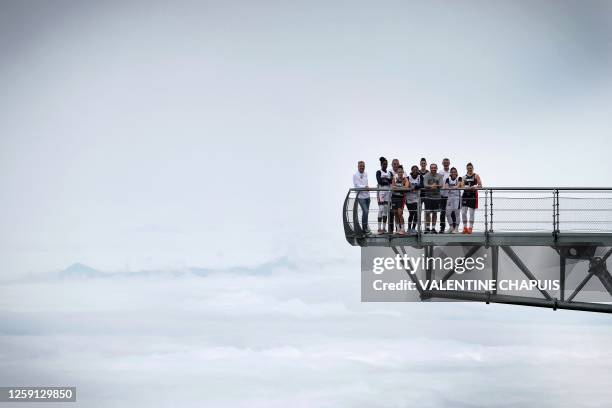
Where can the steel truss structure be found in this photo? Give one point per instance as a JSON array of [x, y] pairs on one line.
[[568, 244]]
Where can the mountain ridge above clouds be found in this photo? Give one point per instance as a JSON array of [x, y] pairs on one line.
[[81, 271]]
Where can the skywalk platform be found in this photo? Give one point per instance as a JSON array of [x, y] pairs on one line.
[[526, 238], [572, 225]]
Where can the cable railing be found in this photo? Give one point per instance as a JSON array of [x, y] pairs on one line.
[[498, 209]]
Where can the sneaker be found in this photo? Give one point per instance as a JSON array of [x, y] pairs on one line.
[[441, 231], [433, 231], [465, 230], [470, 230], [368, 232], [427, 231]]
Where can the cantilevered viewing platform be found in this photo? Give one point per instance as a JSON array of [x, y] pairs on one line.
[[574, 224]]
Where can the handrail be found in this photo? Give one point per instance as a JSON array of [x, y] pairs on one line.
[[490, 188], [520, 209]]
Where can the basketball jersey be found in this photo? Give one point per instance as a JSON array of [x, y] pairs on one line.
[[414, 183], [397, 182], [469, 181], [453, 183], [385, 176]]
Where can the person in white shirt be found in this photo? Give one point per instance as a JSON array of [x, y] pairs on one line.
[[445, 172], [360, 180]]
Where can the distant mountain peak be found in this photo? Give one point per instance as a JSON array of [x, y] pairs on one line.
[[80, 270]]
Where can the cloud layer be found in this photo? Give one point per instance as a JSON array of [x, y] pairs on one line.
[[292, 335]]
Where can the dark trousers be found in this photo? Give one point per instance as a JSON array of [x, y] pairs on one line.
[[443, 201], [412, 217]]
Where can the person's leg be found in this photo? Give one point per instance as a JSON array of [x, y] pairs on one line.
[[391, 217], [464, 217], [400, 218], [364, 203], [443, 202], [472, 214], [412, 216], [397, 218], [449, 217], [434, 215], [455, 218], [384, 217], [381, 211], [361, 202]]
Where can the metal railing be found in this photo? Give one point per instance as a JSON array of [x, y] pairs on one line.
[[500, 209]]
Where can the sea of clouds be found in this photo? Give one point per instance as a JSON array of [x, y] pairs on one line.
[[289, 333]]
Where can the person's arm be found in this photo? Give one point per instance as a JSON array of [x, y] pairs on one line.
[[379, 179], [460, 184], [478, 181], [439, 182]]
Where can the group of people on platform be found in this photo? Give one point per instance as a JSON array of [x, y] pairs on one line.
[[456, 198]]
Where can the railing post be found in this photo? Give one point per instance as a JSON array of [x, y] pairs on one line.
[[388, 226], [419, 212], [486, 212], [557, 218], [491, 211], [356, 225]]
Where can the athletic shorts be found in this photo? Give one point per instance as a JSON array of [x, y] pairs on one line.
[[470, 202], [383, 196], [432, 204], [397, 203]]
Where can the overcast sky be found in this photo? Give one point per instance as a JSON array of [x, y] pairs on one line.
[[167, 135], [127, 125]]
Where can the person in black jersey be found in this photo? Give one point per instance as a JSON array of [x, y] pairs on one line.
[[392, 222], [469, 200], [383, 178], [423, 171], [416, 184], [398, 198]]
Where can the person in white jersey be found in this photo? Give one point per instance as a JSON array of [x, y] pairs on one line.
[[453, 183], [445, 172], [383, 178]]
